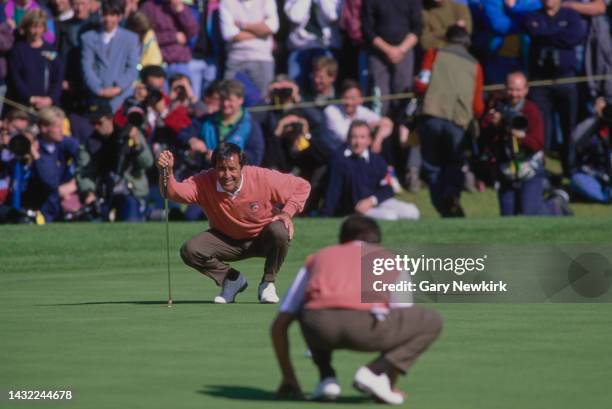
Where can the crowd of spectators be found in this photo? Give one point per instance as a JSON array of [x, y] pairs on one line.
[[91, 91]]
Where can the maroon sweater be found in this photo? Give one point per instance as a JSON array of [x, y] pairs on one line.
[[166, 23]]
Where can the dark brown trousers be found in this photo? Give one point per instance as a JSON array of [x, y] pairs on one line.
[[401, 338], [208, 251]]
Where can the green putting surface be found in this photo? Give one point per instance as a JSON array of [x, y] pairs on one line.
[[83, 308]]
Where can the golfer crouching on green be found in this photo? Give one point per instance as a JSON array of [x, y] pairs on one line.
[[249, 210], [326, 299]]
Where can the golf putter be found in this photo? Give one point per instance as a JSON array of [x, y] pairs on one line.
[[165, 180]]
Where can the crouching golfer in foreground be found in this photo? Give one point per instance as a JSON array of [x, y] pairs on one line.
[[326, 299], [249, 210]]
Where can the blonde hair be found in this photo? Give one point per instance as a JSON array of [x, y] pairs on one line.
[[50, 115], [32, 18]]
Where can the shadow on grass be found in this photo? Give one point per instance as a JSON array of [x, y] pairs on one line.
[[256, 394], [138, 303]]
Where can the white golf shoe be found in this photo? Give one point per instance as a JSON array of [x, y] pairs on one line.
[[267, 293], [230, 289], [378, 385], [327, 390]]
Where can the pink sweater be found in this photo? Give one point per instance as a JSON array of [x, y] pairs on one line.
[[341, 276], [246, 214]]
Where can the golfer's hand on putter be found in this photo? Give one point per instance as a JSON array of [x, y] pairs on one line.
[[286, 219], [165, 160]]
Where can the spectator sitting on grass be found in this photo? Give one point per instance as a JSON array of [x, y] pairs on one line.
[[358, 181]]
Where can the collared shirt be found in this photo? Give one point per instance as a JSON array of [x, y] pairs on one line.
[[225, 129], [244, 217], [234, 194], [107, 37], [365, 154], [338, 121], [334, 258]]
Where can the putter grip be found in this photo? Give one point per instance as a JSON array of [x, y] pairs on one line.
[[165, 181]]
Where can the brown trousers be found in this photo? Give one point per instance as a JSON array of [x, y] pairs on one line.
[[401, 338], [208, 251]]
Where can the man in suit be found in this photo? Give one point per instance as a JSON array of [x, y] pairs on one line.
[[110, 57]]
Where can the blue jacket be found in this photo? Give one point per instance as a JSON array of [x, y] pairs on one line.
[[114, 64], [552, 53], [55, 166], [35, 72], [253, 144], [352, 179]]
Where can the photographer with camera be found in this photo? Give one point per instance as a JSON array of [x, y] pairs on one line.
[[593, 180], [293, 136], [112, 165], [51, 187], [514, 133], [17, 146], [290, 132], [555, 32]]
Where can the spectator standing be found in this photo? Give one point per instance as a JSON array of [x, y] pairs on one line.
[[500, 40], [139, 23], [451, 81], [69, 47], [208, 47], [63, 10], [438, 16], [174, 25], [598, 50], [247, 28], [6, 43], [314, 33], [391, 29], [555, 32], [15, 10], [110, 57], [35, 69]]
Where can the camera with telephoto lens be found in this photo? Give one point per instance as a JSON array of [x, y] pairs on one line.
[[181, 93], [281, 95], [20, 146], [512, 119]]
